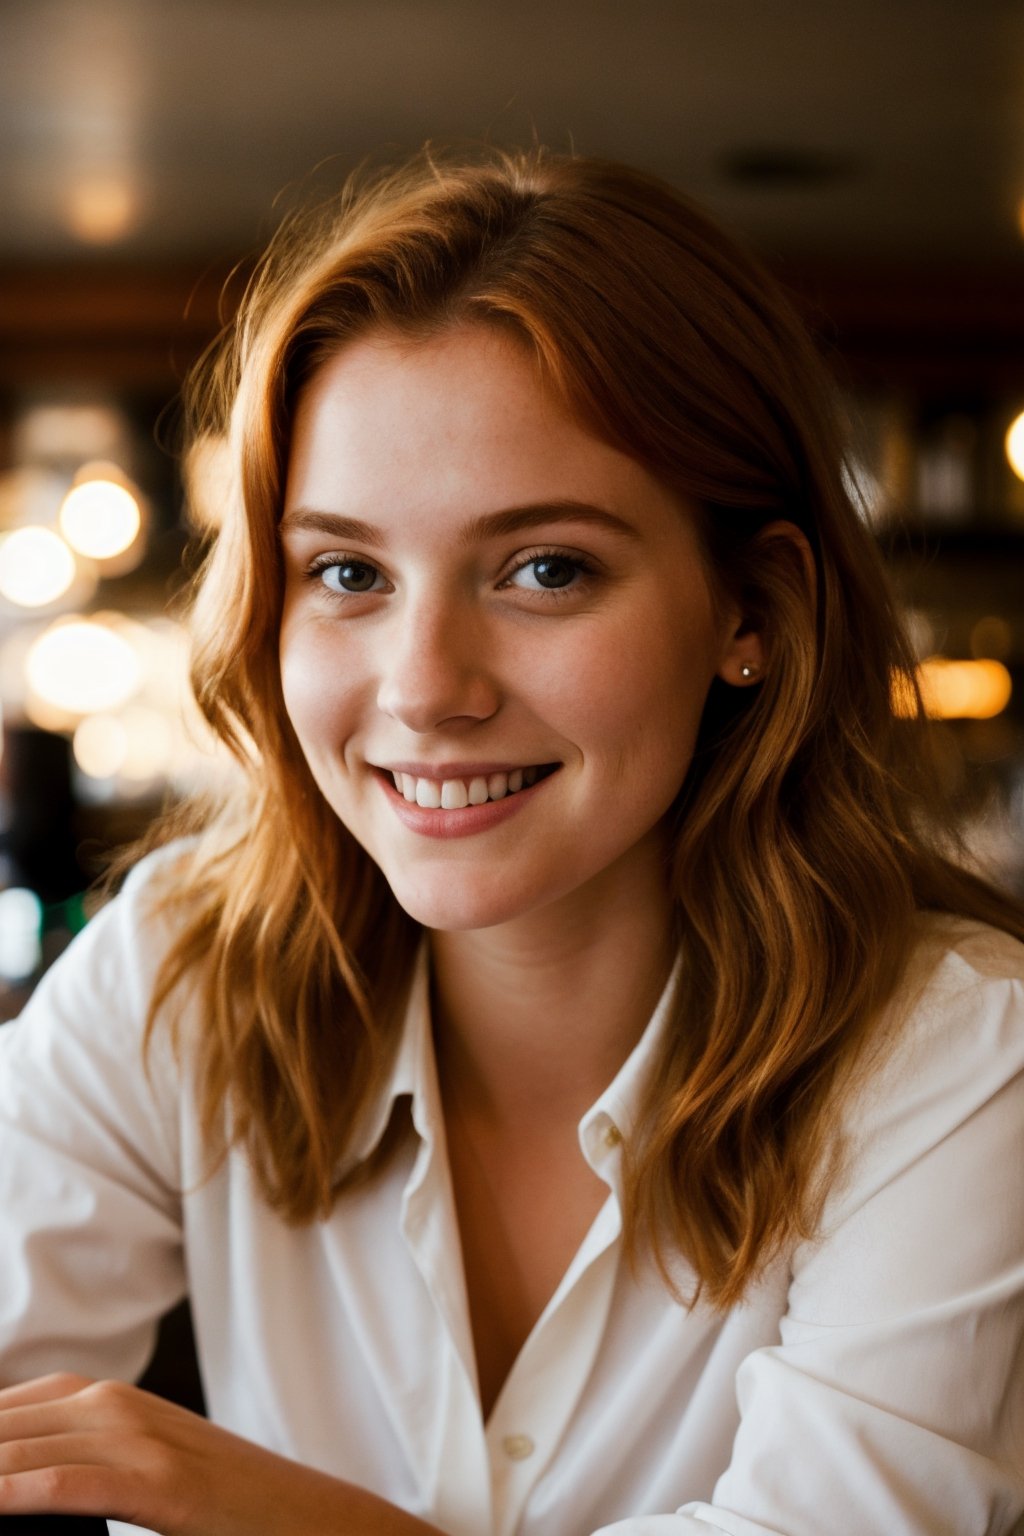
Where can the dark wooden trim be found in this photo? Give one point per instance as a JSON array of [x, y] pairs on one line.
[[957, 332]]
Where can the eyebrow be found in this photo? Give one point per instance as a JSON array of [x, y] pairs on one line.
[[488, 526]]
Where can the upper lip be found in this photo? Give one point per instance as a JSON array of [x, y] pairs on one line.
[[461, 770]]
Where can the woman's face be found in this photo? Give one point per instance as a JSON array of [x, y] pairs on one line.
[[479, 596]]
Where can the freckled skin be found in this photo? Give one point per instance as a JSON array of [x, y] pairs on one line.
[[458, 652]]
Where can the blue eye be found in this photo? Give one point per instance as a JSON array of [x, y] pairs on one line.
[[350, 576]]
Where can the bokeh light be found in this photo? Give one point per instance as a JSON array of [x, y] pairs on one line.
[[954, 690], [1015, 445], [63, 431], [30, 496], [100, 518], [964, 690], [137, 744], [209, 481], [102, 209], [100, 744], [149, 743], [83, 666], [36, 567]]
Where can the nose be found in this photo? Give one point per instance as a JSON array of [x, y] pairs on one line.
[[437, 671]]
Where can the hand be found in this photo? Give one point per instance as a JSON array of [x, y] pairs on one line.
[[69, 1445]]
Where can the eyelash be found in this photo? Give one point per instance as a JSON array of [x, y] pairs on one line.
[[585, 572], [322, 563]]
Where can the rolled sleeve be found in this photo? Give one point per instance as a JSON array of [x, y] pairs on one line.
[[894, 1403]]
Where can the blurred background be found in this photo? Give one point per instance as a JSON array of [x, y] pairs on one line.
[[873, 151]]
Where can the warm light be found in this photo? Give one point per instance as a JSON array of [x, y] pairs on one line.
[[954, 690], [902, 698], [36, 567], [1015, 445], [150, 743], [100, 743], [137, 744], [209, 481], [83, 666], [100, 518], [21, 923], [101, 209], [60, 432], [964, 690], [30, 497]]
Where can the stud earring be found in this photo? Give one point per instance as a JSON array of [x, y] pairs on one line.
[[748, 671]]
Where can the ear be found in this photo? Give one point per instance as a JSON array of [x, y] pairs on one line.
[[781, 549]]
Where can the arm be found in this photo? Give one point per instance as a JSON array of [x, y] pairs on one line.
[[91, 1256], [72, 1446], [893, 1404], [90, 1218]]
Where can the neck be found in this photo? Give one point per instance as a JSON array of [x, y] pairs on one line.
[[534, 1018]]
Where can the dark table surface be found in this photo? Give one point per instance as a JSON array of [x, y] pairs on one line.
[[52, 1525]]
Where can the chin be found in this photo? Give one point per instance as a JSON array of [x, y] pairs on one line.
[[457, 906]]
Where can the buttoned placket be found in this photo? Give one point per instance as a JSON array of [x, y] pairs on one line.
[[454, 1473], [500, 1465], [546, 1381], [475, 1478]]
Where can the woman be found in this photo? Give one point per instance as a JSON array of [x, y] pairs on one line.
[[582, 1095]]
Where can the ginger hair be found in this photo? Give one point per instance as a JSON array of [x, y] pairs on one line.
[[809, 834]]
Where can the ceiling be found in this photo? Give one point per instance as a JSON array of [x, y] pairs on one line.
[[884, 131]]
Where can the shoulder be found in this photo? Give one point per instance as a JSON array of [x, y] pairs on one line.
[[962, 954], [960, 1004], [74, 1070], [107, 974], [948, 1058]]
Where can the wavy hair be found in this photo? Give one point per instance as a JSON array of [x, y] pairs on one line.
[[805, 840]]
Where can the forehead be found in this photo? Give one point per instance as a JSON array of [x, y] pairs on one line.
[[461, 422]]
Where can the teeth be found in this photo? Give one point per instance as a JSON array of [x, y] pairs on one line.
[[457, 794], [477, 791], [454, 795]]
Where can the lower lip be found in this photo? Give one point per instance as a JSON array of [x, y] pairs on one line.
[[465, 823]]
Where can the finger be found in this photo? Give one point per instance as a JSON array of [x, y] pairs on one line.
[[32, 1421], [69, 1490], [43, 1389], [56, 1451]]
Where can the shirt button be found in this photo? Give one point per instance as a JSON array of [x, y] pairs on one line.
[[517, 1447], [612, 1136]]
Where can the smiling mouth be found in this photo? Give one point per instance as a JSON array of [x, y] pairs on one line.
[[459, 794]]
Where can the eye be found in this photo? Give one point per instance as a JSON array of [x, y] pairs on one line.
[[548, 573], [352, 576]]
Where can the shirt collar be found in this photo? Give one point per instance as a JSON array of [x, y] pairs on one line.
[[609, 1120], [413, 1074], [612, 1118]]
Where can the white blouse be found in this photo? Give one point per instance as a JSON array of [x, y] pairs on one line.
[[873, 1382]]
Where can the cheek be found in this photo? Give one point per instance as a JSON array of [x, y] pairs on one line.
[[317, 688], [639, 694], [647, 681]]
